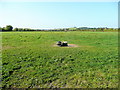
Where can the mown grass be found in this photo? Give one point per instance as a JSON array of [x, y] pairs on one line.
[[30, 59]]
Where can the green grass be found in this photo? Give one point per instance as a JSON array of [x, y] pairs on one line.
[[30, 59]]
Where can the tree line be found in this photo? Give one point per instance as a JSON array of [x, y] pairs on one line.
[[10, 28]]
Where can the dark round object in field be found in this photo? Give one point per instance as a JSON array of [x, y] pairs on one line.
[[59, 43], [64, 44]]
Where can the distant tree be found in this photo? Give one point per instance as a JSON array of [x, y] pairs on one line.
[[0, 28], [15, 29], [118, 29], [74, 27], [3, 29], [110, 29], [20, 29], [102, 29], [8, 28], [26, 29]]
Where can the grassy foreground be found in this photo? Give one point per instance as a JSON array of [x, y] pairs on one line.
[[30, 59]]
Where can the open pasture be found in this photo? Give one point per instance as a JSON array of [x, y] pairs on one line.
[[30, 59]]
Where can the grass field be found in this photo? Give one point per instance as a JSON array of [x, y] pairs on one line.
[[30, 59]]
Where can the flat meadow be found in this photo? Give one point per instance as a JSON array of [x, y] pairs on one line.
[[31, 60]]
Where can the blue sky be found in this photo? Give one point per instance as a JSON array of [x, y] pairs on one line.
[[46, 15]]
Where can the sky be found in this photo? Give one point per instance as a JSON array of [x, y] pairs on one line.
[[60, 0], [49, 15]]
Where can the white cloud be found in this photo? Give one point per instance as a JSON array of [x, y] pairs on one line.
[[59, 0]]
